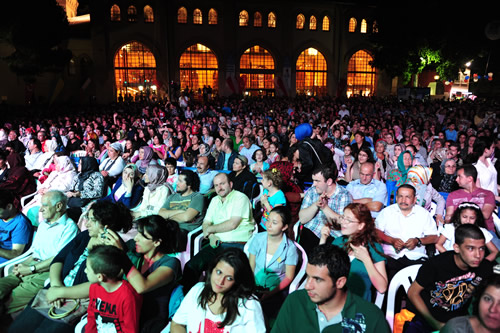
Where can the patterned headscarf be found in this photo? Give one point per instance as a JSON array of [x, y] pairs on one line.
[[419, 176], [157, 176]]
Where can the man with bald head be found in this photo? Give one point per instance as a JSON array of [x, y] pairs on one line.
[[206, 175], [367, 190], [54, 232]]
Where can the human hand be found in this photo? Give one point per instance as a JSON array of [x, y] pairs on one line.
[[411, 243], [263, 199], [111, 238], [21, 270], [58, 303], [54, 294], [214, 241], [104, 173], [325, 233], [361, 253], [398, 244]]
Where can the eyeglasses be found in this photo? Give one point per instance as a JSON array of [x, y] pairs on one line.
[[450, 166], [345, 220]]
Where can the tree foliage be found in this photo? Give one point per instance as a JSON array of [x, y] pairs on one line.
[[440, 35], [36, 30]]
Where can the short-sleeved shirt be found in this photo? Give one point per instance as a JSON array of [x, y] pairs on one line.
[[206, 180], [376, 190], [447, 289], [269, 273], [236, 204], [337, 202], [17, 230], [448, 231], [194, 200], [277, 199], [418, 223], [359, 282], [480, 197]]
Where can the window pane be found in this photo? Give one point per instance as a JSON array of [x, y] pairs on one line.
[[311, 73], [212, 16], [148, 14], [198, 68], [257, 19], [243, 18], [132, 14], [363, 26], [257, 69], [135, 66], [352, 24], [361, 76], [115, 13], [182, 15], [271, 20], [197, 16], [312, 23], [326, 24], [300, 21]]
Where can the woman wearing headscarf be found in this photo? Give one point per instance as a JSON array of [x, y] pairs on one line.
[[19, 180], [399, 175], [127, 189], [146, 158], [112, 166], [155, 193], [88, 186], [243, 179], [419, 176], [445, 179]]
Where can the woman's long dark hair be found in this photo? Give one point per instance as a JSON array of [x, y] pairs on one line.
[[115, 216], [243, 287], [455, 218], [165, 231]]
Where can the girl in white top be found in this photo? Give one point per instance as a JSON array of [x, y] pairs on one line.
[[466, 213], [224, 302], [486, 172]]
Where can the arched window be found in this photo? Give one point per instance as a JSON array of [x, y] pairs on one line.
[[257, 71], [312, 22], [149, 16], [212, 16], [182, 15], [132, 14], [361, 76], [135, 70], [115, 13], [375, 27], [197, 16], [326, 23], [300, 21], [363, 26], [311, 73], [352, 24], [198, 68], [271, 20], [243, 18], [257, 19]]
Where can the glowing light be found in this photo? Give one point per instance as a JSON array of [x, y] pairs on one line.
[[141, 88]]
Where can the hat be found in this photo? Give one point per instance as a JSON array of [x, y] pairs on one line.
[[117, 146], [303, 131]]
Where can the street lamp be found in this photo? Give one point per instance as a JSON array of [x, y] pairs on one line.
[[141, 88]]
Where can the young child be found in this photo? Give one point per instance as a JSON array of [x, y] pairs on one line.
[[272, 196], [466, 213], [273, 258], [274, 155], [114, 305]]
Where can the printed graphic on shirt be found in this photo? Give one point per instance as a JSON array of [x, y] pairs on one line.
[[354, 325], [106, 318], [210, 327], [454, 293]]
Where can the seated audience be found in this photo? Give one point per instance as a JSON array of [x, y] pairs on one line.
[[243, 180], [127, 189]]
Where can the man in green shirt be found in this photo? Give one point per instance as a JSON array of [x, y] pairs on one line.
[[325, 305]]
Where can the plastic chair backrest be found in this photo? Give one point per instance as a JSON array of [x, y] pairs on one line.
[[391, 187], [297, 281], [444, 195], [404, 278]]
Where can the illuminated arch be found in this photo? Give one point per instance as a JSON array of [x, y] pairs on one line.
[[135, 69], [197, 16], [326, 23], [352, 24], [243, 18], [312, 23], [115, 13], [363, 26], [198, 68], [149, 16], [361, 76], [182, 15], [271, 20], [212, 16], [301, 20], [257, 70], [311, 73]]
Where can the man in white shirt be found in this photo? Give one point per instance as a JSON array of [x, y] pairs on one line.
[[35, 159], [404, 229], [343, 111], [28, 277], [248, 148]]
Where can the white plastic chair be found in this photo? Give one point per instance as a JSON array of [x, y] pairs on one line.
[[297, 280], [405, 278], [296, 228], [9, 265], [187, 254]]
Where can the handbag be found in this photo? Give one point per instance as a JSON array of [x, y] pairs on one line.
[[69, 313]]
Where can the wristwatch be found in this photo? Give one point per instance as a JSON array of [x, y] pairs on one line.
[[419, 242], [33, 268]]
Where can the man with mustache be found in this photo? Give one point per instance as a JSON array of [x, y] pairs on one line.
[[404, 229]]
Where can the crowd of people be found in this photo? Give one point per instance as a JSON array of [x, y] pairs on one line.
[[105, 198]]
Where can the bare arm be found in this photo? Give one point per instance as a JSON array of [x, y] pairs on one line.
[[179, 216], [308, 213], [418, 302], [493, 251], [160, 277], [16, 251], [440, 242], [177, 328], [225, 226], [373, 206]]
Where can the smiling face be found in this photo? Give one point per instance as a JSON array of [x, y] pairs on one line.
[[222, 278]]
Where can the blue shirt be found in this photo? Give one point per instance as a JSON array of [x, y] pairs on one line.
[[376, 190], [17, 230]]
